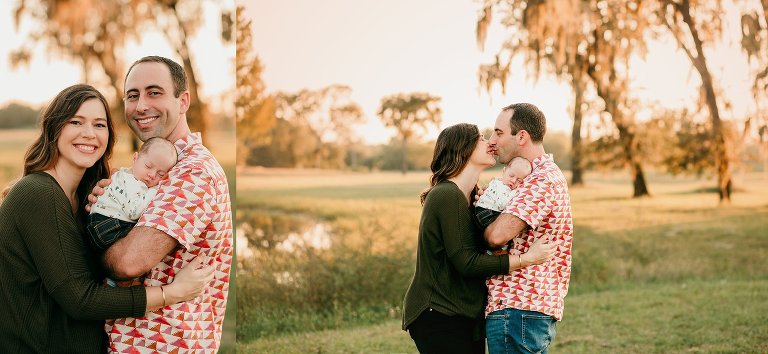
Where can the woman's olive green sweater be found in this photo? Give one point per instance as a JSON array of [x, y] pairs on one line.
[[50, 296], [451, 265]]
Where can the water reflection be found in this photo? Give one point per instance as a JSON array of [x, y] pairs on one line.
[[264, 231], [296, 270]]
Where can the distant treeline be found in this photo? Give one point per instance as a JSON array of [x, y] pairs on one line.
[[15, 116], [288, 149]]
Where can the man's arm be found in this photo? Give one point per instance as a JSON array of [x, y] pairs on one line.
[[503, 229], [139, 251]]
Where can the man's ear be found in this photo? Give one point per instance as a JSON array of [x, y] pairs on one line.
[[523, 136], [184, 102]]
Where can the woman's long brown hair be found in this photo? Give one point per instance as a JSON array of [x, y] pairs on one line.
[[453, 149], [44, 152]]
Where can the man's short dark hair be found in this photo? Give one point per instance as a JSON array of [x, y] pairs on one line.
[[178, 76], [528, 117]]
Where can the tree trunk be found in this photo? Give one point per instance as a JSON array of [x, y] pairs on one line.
[[699, 62], [721, 154], [627, 137], [352, 156], [576, 160], [404, 167], [197, 114], [629, 144], [638, 183], [114, 69], [628, 141]]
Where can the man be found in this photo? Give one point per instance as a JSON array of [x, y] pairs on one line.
[[190, 216], [524, 305]]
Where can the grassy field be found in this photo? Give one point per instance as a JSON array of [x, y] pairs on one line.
[[674, 273], [14, 143]]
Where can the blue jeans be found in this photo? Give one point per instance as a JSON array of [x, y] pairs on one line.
[[105, 231], [519, 331]]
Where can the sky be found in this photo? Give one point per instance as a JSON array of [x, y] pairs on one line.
[[46, 76], [379, 48]]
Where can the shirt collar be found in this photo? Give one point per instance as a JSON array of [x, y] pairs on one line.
[[542, 160], [187, 142]]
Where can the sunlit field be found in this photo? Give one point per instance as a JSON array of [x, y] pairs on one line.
[[14, 143], [668, 274]]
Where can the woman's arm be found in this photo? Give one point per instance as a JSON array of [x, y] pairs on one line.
[[461, 244], [189, 283], [539, 252], [60, 256]]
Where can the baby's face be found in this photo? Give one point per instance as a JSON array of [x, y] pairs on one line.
[[510, 175], [516, 172], [152, 166]]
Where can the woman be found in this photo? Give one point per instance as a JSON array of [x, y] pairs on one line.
[[51, 295], [443, 307]]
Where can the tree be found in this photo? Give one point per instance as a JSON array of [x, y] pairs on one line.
[[693, 24], [553, 44], [754, 42], [692, 148], [254, 110], [342, 118], [583, 42], [94, 33], [15, 115], [326, 117], [179, 20], [407, 113], [85, 31], [616, 32]]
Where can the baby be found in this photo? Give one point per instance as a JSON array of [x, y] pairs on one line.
[[132, 189], [500, 191]]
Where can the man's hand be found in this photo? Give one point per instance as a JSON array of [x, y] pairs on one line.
[[98, 190]]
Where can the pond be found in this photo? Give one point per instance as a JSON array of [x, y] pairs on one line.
[[260, 230]]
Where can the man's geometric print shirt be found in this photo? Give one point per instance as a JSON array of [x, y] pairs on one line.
[[193, 206], [542, 201]]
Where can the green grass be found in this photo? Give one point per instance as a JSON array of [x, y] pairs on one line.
[[688, 317], [671, 273]]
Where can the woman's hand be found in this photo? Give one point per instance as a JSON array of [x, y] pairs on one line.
[[541, 251], [190, 281]]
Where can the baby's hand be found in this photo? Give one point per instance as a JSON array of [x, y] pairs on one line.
[[480, 191], [98, 190]]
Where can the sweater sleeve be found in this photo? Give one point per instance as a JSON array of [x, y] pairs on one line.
[[58, 251], [459, 237]]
